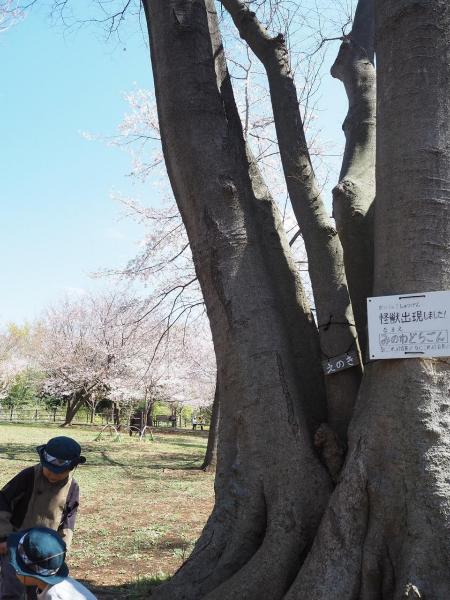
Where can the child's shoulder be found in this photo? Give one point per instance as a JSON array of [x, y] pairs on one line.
[[29, 471], [25, 476]]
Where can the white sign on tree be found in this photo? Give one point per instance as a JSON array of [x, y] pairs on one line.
[[409, 325]]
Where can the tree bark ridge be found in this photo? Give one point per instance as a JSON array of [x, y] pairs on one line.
[[353, 196], [399, 437], [265, 340], [337, 332]]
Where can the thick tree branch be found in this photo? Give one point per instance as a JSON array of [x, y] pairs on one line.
[[353, 196], [389, 516], [363, 30], [325, 255]]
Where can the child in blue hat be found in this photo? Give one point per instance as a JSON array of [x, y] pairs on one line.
[[38, 559], [43, 495]]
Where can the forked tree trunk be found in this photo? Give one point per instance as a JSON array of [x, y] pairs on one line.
[[337, 331], [386, 533], [271, 392], [73, 406]]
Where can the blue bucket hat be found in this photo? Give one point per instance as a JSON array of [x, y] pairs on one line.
[[38, 553], [60, 454]]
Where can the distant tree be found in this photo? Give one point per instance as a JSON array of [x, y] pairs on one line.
[[213, 413], [88, 349], [22, 392], [112, 347], [16, 344], [52, 403]]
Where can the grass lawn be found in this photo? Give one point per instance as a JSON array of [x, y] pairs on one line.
[[143, 504]]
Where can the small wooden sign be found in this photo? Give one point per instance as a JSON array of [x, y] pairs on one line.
[[340, 363]]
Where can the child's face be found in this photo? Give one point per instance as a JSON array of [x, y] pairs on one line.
[[54, 477]]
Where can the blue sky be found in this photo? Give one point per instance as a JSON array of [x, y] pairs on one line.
[[58, 221]]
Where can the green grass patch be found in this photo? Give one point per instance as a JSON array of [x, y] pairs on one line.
[[143, 503]]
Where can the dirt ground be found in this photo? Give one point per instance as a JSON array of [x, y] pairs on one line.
[[143, 504]]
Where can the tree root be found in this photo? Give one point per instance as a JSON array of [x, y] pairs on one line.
[[234, 557], [335, 557], [230, 537], [386, 532], [265, 572]]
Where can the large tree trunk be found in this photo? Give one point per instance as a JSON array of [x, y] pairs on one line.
[[266, 345], [337, 331], [386, 533]]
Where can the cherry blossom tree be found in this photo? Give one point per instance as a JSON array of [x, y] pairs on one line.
[[112, 347], [88, 348], [287, 523], [10, 13]]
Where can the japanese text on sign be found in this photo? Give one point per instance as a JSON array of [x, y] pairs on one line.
[[339, 363], [409, 325]]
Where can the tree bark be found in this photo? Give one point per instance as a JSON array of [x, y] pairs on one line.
[[210, 460], [353, 196], [73, 406], [386, 533], [264, 336], [148, 420], [117, 415], [337, 332]]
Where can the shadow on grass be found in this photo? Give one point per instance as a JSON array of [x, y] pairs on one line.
[[96, 457], [138, 590], [188, 444], [177, 462], [22, 452]]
